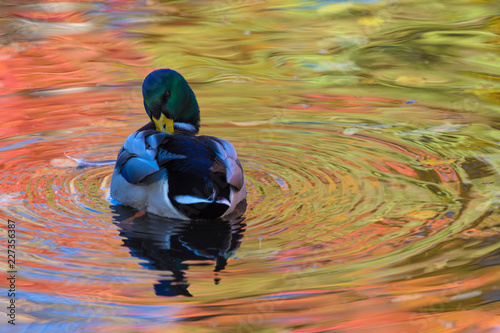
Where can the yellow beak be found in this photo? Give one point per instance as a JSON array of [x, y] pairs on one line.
[[164, 124]]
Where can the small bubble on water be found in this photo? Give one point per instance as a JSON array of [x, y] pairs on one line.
[[350, 131], [445, 323]]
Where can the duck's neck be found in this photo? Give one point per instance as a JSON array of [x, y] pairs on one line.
[[180, 128]]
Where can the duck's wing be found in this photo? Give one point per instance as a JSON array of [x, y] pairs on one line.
[[139, 156], [227, 154], [202, 175]]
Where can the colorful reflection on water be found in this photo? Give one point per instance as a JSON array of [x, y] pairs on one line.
[[368, 131]]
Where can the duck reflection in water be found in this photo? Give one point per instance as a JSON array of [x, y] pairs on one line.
[[167, 244]]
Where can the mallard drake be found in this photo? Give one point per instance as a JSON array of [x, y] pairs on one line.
[[165, 168]]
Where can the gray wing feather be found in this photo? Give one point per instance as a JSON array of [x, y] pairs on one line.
[[228, 147], [136, 168], [137, 158], [226, 152], [135, 144], [237, 177], [156, 139], [123, 156]]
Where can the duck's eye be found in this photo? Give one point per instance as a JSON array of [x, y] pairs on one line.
[[164, 126], [167, 95]]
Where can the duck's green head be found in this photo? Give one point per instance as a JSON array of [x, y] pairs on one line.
[[168, 99]]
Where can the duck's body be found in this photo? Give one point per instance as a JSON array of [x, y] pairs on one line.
[[173, 172]]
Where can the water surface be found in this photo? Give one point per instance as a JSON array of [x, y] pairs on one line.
[[369, 135]]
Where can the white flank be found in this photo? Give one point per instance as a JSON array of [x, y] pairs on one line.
[[152, 198]]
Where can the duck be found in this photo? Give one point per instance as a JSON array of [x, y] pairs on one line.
[[167, 169]]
